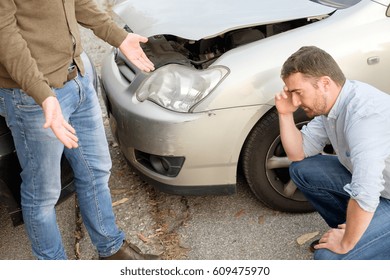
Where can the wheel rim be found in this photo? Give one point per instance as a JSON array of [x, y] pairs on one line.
[[276, 166]]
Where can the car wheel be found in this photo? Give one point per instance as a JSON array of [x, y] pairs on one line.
[[265, 165]]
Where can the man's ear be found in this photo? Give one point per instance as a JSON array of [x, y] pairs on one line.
[[325, 82]]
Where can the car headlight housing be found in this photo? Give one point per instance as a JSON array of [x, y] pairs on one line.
[[179, 88]]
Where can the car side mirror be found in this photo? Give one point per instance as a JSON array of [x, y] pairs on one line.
[[388, 11]]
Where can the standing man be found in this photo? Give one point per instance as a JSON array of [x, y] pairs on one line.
[[52, 108], [351, 190]]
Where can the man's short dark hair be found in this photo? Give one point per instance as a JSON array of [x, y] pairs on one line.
[[313, 62]]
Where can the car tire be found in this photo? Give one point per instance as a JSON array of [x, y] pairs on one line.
[[265, 165]]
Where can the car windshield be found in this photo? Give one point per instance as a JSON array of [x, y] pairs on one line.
[[338, 4]]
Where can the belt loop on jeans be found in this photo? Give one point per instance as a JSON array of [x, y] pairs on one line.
[[72, 72]]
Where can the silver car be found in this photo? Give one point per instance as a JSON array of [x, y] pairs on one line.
[[207, 112]]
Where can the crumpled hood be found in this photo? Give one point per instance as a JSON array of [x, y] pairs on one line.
[[199, 19]]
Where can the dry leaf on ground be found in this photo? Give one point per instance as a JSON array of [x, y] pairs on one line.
[[306, 237], [240, 213], [119, 202], [143, 238]]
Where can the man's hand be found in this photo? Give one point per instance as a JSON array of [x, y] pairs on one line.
[[289, 133], [54, 119], [131, 48], [332, 240], [346, 236], [284, 103]]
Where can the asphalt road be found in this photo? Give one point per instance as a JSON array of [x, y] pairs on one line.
[[236, 227]]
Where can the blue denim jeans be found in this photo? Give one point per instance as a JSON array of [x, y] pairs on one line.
[[321, 179], [39, 153]]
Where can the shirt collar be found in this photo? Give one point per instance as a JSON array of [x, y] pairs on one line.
[[341, 100]]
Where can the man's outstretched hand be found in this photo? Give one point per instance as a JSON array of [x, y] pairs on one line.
[[131, 48], [55, 120]]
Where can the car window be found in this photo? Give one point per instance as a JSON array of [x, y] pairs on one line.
[[338, 4]]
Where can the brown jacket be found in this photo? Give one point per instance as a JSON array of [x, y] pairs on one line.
[[40, 38]]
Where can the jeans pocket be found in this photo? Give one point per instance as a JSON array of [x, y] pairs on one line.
[[27, 104], [29, 117]]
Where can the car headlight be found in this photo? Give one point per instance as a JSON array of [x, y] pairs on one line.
[[179, 88]]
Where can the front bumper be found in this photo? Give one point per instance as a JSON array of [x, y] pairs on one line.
[[180, 153]]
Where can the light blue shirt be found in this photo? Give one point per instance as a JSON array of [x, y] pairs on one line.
[[358, 127]]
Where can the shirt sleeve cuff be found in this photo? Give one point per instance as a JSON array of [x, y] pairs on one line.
[[40, 91], [366, 202], [117, 36]]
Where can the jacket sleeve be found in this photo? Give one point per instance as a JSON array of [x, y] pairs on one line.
[[16, 58], [90, 16]]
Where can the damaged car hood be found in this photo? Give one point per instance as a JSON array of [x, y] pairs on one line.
[[200, 19]]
